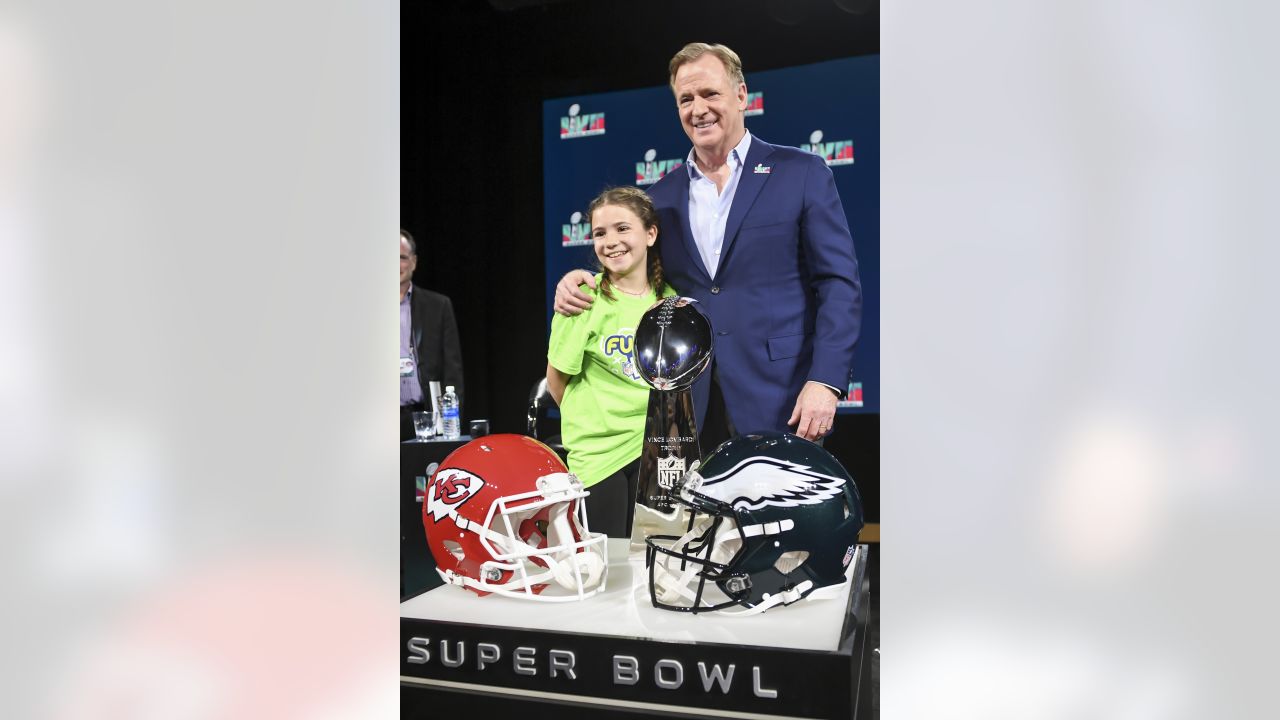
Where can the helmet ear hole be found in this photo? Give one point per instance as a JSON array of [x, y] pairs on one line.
[[454, 549], [789, 561], [533, 531]]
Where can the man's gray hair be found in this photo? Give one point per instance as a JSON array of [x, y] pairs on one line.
[[693, 51]]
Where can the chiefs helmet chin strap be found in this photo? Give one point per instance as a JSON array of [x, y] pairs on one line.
[[451, 578]]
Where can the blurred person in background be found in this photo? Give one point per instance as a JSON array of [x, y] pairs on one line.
[[429, 348]]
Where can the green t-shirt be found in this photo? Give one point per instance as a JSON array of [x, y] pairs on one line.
[[602, 412]]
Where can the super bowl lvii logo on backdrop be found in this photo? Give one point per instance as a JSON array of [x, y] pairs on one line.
[[755, 104], [839, 152], [576, 125], [853, 398], [575, 232], [651, 171]]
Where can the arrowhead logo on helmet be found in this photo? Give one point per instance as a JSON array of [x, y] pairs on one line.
[[451, 488]]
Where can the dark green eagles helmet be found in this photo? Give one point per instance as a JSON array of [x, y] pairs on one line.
[[775, 517]]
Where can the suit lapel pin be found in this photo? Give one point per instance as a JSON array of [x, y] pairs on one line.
[[762, 169]]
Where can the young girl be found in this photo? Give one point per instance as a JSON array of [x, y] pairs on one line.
[[590, 373]]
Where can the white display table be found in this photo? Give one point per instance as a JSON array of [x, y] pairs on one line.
[[617, 650]]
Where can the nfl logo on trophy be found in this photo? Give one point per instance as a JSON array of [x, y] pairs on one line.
[[670, 470]]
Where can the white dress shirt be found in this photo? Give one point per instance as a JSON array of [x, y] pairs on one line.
[[709, 208]]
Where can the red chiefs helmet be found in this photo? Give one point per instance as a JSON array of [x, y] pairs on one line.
[[504, 515]]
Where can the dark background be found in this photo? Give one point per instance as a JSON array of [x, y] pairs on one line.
[[473, 78]]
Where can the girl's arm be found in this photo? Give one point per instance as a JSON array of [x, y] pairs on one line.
[[557, 382]]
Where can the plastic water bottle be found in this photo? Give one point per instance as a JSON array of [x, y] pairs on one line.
[[450, 410]]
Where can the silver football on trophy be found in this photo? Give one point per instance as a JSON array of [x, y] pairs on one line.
[[672, 344]]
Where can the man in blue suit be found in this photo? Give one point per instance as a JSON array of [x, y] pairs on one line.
[[757, 234]]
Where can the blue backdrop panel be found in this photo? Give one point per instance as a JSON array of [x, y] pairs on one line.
[[634, 137]]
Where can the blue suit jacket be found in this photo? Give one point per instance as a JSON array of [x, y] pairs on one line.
[[786, 303]]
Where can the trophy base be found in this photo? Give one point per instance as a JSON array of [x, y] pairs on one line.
[[649, 522]]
